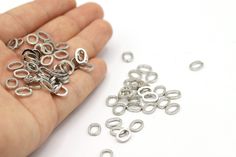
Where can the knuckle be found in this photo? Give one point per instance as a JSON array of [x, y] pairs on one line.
[[104, 26]]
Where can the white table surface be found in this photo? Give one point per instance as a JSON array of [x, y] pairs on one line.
[[168, 35]]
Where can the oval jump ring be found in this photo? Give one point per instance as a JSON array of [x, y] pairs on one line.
[[97, 131], [169, 109], [132, 127], [23, 91], [30, 37], [127, 57], [12, 80], [113, 122], [196, 65]]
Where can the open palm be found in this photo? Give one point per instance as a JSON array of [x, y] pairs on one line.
[[25, 123]]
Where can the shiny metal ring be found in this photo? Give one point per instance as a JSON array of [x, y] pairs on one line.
[[47, 48], [113, 122], [62, 92], [172, 109], [134, 107], [106, 152], [32, 39], [151, 77], [97, 128], [149, 108], [173, 94], [123, 135], [61, 54], [11, 83], [81, 56], [163, 102], [21, 73], [119, 109], [150, 97], [15, 65], [111, 100], [115, 130], [127, 57], [12, 44], [67, 66], [43, 36], [135, 74], [133, 128], [196, 65], [143, 90], [62, 46], [45, 58], [144, 68], [23, 91], [160, 90]]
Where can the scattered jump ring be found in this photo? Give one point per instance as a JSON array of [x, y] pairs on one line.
[[127, 57], [111, 100], [43, 36], [123, 135], [12, 83], [62, 92], [32, 39], [149, 108], [135, 74], [61, 54], [47, 60], [106, 152], [119, 109], [172, 109], [115, 130], [196, 65], [151, 77], [97, 128], [23, 91], [15, 65], [21, 73], [160, 90], [144, 68], [173, 94], [138, 122], [113, 122]]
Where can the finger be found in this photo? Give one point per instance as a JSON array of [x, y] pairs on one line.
[[65, 27], [80, 86], [29, 17], [93, 38]]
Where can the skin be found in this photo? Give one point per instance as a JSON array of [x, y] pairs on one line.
[[26, 123]]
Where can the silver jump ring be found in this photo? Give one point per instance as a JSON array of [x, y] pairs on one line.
[[93, 126], [62, 46], [160, 90], [15, 65], [119, 109], [43, 36], [149, 108], [32, 39], [138, 122], [144, 68], [134, 107], [151, 77], [62, 92], [61, 54], [173, 94], [196, 65], [105, 152], [150, 97], [127, 57], [113, 122], [163, 102], [12, 80], [111, 100], [81, 56], [21, 73], [45, 58], [23, 91], [143, 90], [123, 135], [172, 109]]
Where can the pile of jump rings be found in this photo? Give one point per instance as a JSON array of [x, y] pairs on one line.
[[45, 64]]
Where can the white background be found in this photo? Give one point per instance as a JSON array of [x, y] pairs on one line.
[[169, 35]]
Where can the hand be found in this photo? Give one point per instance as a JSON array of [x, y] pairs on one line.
[[25, 123]]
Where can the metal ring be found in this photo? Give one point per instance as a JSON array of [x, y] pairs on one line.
[[146, 109], [123, 135], [144, 68], [32, 67], [64, 66], [43, 36], [12, 44], [97, 131], [151, 77], [15, 65], [64, 93], [160, 90], [47, 48], [132, 127], [169, 109], [30, 37], [119, 109], [47, 57], [14, 81], [127, 57], [21, 73], [81, 56], [113, 122], [23, 91], [61, 54], [134, 107], [163, 102], [196, 65], [135, 74], [150, 97], [114, 129], [105, 152], [143, 90], [173, 94], [111, 100]]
